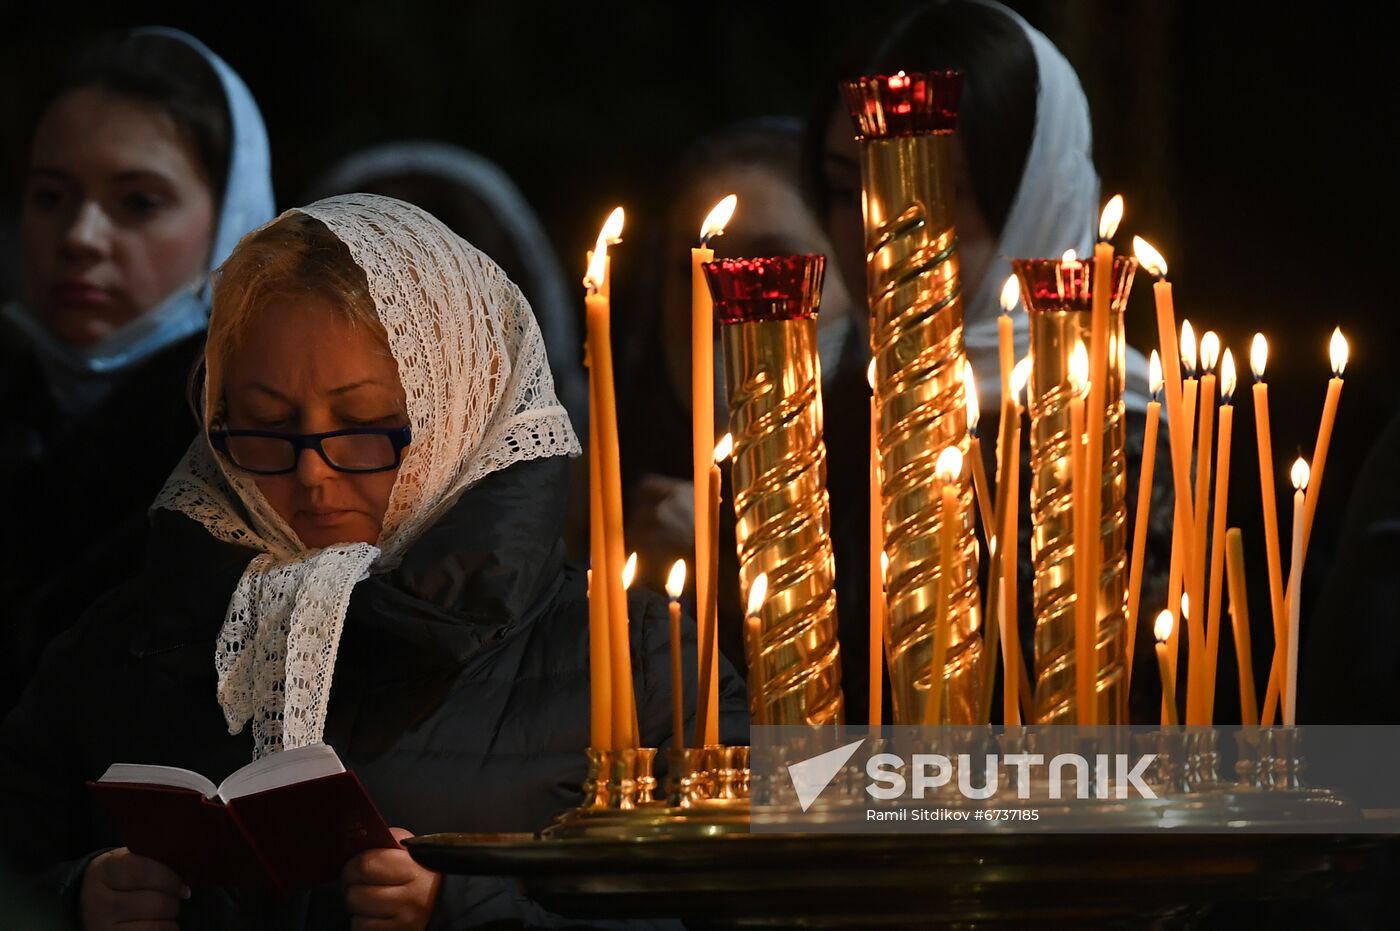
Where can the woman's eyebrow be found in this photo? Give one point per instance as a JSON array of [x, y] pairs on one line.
[[363, 383], [342, 389]]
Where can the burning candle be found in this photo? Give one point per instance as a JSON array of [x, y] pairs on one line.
[[1338, 351], [985, 505], [707, 697], [1006, 341], [1258, 359], [1239, 613], [1095, 406], [702, 397], [1018, 694], [1183, 534], [753, 633], [598, 316], [675, 584], [1299, 475], [1196, 684], [1153, 262], [1144, 504], [878, 559], [948, 468], [1085, 575], [1162, 630], [1217, 543]]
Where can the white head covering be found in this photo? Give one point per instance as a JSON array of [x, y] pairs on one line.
[[550, 296], [81, 376], [480, 398], [1055, 208]]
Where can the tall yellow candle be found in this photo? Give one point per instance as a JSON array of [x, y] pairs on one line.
[[1196, 686], [599, 660], [948, 469], [1085, 575], [702, 397], [675, 585], [1006, 339], [1338, 351], [1181, 533], [1258, 360], [707, 696], [1239, 613], [1019, 697], [1180, 436], [1144, 506], [877, 553], [1295, 584], [1217, 536], [597, 315], [1163, 630], [980, 489], [1092, 527]]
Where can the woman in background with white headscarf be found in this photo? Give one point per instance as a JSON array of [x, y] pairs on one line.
[[147, 161], [1024, 186], [363, 549]]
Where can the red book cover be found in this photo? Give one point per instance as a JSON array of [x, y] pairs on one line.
[[295, 833]]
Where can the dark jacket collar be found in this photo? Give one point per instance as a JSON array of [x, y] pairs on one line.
[[490, 563]]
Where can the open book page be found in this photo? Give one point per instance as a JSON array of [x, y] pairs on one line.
[[159, 776], [281, 769]]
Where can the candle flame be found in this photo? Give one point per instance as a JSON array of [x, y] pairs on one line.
[[1227, 376], [1185, 606], [870, 374], [675, 581], [1154, 374], [1020, 376], [629, 571], [974, 408], [717, 219], [1300, 474], [1339, 351], [1149, 257], [758, 594], [1258, 356], [609, 235], [1069, 257], [1188, 346], [1162, 627], [1079, 368], [949, 464], [724, 448], [1210, 351], [898, 81], [1010, 294], [884, 567], [1110, 218]]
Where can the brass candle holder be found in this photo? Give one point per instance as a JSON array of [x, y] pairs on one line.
[[905, 124], [1058, 295], [767, 308]]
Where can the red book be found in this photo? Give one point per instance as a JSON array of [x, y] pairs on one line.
[[287, 820]]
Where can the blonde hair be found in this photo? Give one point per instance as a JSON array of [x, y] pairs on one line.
[[294, 255]]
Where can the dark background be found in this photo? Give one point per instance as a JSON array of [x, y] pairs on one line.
[[1251, 143]]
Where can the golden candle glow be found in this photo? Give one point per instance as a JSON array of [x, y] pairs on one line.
[[675, 580], [724, 448], [1210, 351], [717, 219], [1011, 294], [1020, 377], [949, 464], [1228, 377], [1110, 218], [629, 571], [1188, 347], [1154, 375], [1149, 258], [1258, 356], [1079, 368], [1069, 257], [758, 594], [1338, 351]]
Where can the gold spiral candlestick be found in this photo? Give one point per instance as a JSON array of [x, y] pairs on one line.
[[905, 125], [767, 308], [1058, 296]]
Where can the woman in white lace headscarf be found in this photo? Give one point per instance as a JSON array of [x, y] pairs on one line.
[[362, 550]]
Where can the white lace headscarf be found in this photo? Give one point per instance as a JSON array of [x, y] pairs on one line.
[[480, 398], [1055, 208]]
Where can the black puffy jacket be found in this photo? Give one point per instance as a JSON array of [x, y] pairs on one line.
[[460, 698]]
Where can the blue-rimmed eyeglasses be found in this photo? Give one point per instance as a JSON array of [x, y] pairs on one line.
[[266, 452]]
